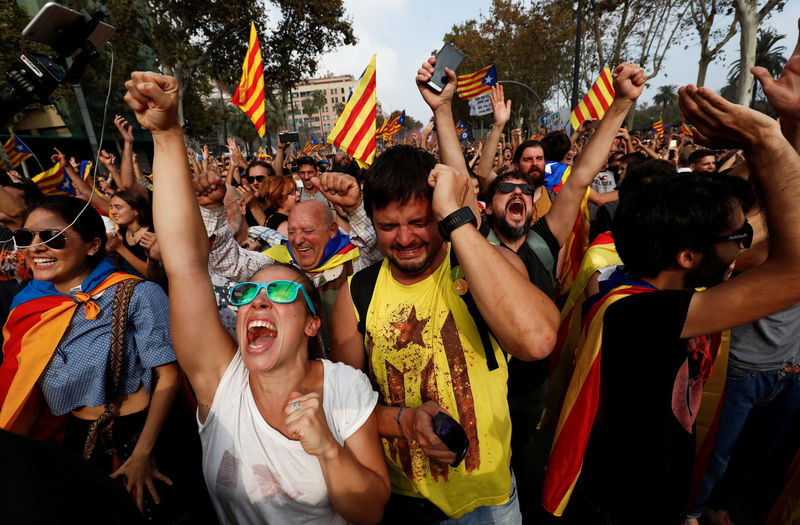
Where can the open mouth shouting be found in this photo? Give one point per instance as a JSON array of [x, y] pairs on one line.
[[516, 209], [260, 334]]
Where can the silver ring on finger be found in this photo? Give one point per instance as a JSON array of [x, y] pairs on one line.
[[296, 406]]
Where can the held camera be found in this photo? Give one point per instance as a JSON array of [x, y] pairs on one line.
[[33, 77]]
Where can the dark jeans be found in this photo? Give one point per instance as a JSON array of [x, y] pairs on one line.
[[756, 406]]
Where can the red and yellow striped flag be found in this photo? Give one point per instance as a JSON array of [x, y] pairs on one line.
[[685, 128], [249, 94], [659, 127], [580, 406], [596, 101], [354, 131]]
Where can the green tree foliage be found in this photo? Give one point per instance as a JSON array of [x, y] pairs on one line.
[[526, 44], [667, 95], [313, 104]]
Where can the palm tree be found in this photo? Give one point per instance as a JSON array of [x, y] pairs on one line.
[[768, 55], [666, 96]]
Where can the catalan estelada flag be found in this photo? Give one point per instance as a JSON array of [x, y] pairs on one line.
[[16, 150], [477, 83], [580, 404], [54, 181], [354, 131], [659, 127], [392, 125], [462, 131], [596, 101], [249, 94]]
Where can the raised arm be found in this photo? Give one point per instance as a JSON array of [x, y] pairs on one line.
[[775, 168], [502, 113], [82, 189], [127, 179], [522, 318], [441, 104], [629, 80], [783, 94], [108, 160], [203, 354], [280, 156]]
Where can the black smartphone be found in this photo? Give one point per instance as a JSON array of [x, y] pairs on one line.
[[448, 57], [289, 136], [452, 435]]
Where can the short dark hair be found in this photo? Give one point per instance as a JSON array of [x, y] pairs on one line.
[[88, 223], [522, 147], [306, 161], [398, 174], [640, 173], [555, 144], [654, 223], [31, 193], [699, 154], [270, 169]]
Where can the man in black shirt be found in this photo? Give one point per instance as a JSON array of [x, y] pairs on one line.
[[674, 236]]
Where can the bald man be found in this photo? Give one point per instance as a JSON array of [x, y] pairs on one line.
[[316, 245]]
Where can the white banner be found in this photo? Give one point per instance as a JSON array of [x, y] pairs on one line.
[[557, 121], [480, 105]]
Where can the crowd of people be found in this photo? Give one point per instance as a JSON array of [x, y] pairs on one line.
[[599, 328]]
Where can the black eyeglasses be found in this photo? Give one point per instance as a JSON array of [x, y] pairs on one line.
[[508, 187], [55, 239], [257, 178], [743, 235]]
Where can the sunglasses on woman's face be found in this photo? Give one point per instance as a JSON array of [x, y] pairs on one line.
[[55, 239], [277, 292]]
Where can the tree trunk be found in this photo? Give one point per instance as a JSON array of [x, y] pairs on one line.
[[702, 69], [747, 15]]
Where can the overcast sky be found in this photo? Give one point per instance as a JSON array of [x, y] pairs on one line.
[[402, 33]]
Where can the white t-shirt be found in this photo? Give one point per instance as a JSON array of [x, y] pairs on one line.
[[253, 472]]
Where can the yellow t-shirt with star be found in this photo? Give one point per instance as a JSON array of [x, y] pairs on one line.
[[422, 344]]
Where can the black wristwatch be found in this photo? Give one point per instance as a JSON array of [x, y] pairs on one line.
[[458, 218]]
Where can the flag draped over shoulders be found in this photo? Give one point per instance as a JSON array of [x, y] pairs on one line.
[[38, 319], [580, 403]]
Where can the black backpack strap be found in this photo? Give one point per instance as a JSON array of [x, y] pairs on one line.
[[480, 323], [362, 286]]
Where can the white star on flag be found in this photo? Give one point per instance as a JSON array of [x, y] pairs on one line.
[[487, 80]]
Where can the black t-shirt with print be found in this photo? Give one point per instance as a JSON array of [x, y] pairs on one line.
[[641, 452]]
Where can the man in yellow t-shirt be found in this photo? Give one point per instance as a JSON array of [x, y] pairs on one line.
[[424, 350]]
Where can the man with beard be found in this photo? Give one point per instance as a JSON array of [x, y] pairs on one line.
[[509, 210], [648, 327], [436, 331]]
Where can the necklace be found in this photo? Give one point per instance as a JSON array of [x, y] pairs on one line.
[[132, 233]]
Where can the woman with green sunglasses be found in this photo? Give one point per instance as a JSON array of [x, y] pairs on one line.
[[286, 438]]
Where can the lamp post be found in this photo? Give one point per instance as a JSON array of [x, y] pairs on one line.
[[541, 104]]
